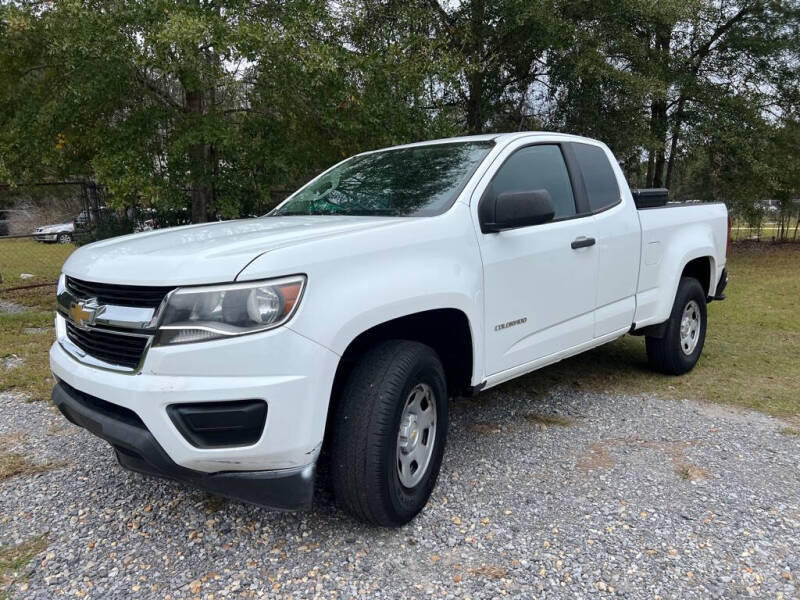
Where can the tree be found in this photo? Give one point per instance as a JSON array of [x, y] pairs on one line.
[[679, 59], [218, 105]]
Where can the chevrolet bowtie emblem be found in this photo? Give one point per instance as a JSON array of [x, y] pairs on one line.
[[84, 312]]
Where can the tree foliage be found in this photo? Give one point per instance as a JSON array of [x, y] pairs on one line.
[[219, 105]]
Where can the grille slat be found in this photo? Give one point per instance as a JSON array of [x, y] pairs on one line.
[[111, 347], [120, 295], [104, 345]]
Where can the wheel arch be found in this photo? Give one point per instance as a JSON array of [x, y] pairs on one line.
[[446, 330], [701, 268]]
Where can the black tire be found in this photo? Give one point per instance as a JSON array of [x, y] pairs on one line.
[[364, 444], [64, 238], [667, 354]]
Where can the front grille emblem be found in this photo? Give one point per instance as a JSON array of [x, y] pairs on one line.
[[84, 312]]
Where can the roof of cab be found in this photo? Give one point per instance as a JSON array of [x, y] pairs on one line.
[[486, 137]]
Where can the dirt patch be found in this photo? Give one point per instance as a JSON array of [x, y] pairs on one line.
[[484, 428], [540, 420], [489, 571], [597, 457], [10, 307], [10, 440], [690, 472], [36, 330], [549, 420], [12, 361]]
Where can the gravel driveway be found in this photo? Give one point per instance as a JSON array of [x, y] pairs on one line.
[[634, 497]]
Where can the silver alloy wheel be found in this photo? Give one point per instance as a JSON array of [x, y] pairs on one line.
[[417, 435], [690, 327], [63, 239]]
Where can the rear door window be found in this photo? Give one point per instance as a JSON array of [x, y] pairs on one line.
[[598, 177], [539, 167]]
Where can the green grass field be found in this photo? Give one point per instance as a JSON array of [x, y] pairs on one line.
[[43, 261], [751, 357]]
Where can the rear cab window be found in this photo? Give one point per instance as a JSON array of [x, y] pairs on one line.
[[602, 190]]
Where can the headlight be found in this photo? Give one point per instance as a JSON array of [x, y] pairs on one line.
[[197, 314]]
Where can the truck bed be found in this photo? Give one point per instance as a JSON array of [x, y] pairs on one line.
[[672, 236]]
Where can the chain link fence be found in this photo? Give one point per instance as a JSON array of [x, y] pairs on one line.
[[26, 261], [38, 230]]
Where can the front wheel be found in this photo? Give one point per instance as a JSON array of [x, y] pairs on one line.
[[679, 349], [389, 433]]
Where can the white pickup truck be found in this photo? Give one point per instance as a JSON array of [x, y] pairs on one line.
[[233, 355]]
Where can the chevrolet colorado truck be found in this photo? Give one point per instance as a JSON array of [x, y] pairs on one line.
[[233, 355]]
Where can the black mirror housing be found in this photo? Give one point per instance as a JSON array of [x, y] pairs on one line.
[[511, 210]]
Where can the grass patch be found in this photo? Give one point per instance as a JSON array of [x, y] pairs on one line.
[[14, 558], [32, 377], [42, 261], [28, 333], [549, 420], [752, 351], [13, 464], [791, 431]]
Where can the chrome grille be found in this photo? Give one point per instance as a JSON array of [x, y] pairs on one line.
[[107, 325], [119, 295], [113, 347]]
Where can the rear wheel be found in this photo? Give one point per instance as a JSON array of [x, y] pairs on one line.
[[679, 349], [64, 238], [389, 433]]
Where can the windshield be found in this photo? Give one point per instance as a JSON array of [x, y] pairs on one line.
[[407, 182]]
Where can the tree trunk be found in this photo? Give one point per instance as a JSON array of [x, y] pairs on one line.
[[659, 126], [475, 72], [198, 163], [673, 147], [474, 113]]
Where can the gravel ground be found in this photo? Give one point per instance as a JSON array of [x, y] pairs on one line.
[[633, 496]]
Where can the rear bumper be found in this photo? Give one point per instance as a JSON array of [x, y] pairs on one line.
[[138, 450]]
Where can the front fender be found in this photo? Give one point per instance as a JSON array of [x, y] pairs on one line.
[[369, 277]]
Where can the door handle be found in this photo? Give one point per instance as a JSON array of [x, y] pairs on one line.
[[582, 242]]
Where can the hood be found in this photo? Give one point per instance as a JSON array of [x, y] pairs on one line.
[[204, 253]]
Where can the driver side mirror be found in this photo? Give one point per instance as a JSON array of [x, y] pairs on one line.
[[511, 210]]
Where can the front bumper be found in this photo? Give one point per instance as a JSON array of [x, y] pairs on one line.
[[138, 450], [290, 373]]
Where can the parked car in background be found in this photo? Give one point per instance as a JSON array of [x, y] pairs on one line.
[[63, 233], [227, 354]]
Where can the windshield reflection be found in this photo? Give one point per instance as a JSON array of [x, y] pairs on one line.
[[417, 181]]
